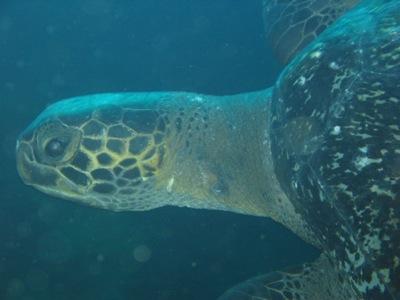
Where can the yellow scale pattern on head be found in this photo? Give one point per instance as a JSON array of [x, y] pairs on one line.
[[146, 157]]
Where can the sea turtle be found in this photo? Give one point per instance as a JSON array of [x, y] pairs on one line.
[[318, 152]]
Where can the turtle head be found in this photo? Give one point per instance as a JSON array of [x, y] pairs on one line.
[[103, 150], [139, 151]]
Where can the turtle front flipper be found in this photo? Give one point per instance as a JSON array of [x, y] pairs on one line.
[[317, 280], [291, 24]]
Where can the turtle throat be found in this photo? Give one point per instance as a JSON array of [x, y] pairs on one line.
[[219, 154]]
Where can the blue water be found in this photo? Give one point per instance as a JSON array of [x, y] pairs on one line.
[[54, 249]]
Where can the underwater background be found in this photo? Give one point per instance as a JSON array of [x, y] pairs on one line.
[[55, 249]]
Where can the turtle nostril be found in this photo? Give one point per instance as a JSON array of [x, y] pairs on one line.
[[55, 147]]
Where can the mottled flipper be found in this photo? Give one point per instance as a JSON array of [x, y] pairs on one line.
[[316, 280], [292, 24]]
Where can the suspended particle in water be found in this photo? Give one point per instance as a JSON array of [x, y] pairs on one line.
[[142, 253]]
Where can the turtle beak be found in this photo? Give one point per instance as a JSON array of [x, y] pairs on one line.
[[23, 162], [24, 155]]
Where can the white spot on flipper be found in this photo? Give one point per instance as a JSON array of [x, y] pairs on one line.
[[378, 279], [316, 54], [352, 257], [338, 155], [197, 99], [379, 191], [334, 66], [372, 241], [170, 184], [396, 261], [336, 130], [363, 161], [364, 149], [301, 81]]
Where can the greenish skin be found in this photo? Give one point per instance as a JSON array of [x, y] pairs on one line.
[[319, 153]]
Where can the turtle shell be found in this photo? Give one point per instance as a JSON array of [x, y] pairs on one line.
[[335, 135]]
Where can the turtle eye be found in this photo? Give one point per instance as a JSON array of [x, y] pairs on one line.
[[55, 148], [55, 143]]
